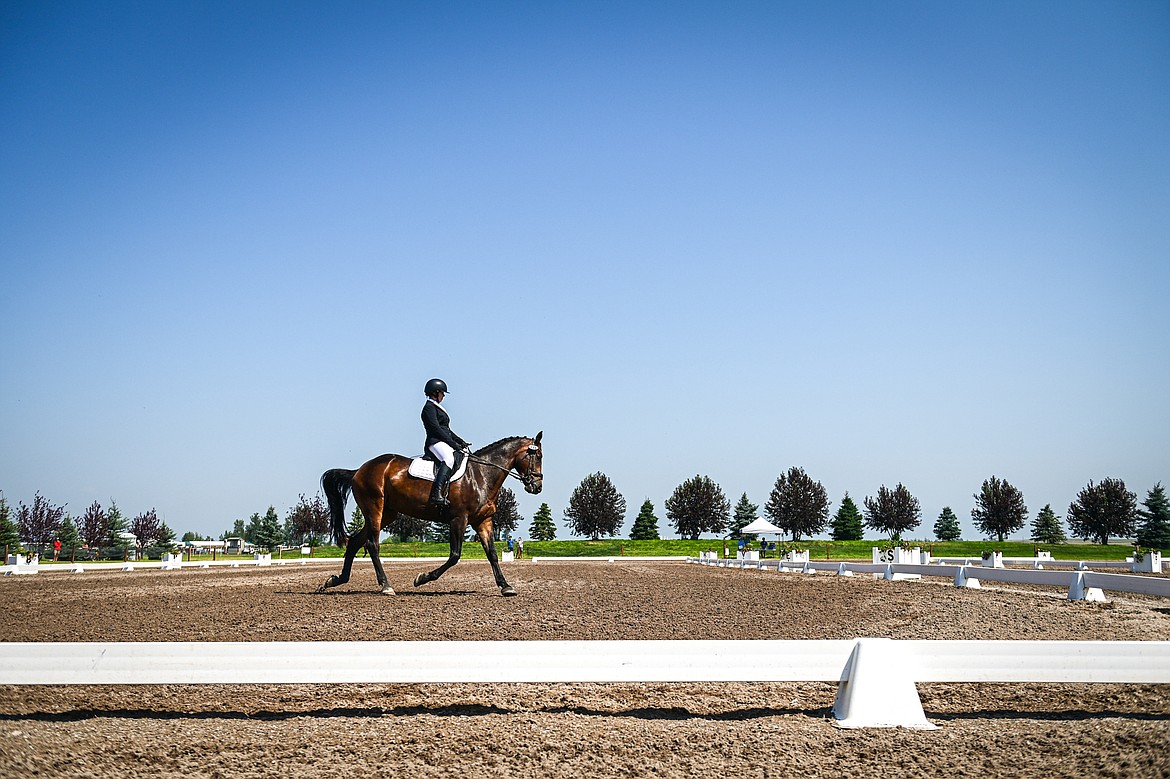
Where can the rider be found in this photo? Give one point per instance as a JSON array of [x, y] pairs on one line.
[[441, 442]]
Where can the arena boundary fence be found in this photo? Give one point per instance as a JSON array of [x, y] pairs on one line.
[[1081, 584], [875, 676]]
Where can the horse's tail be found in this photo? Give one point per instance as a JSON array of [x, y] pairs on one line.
[[336, 483]]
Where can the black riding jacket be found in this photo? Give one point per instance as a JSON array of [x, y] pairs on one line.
[[438, 427]]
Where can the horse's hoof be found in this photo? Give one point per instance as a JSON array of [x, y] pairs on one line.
[[330, 582], [420, 580], [508, 591], [388, 590]]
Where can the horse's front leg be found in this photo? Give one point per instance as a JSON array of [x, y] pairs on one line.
[[484, 531], [376, 558], [458, 527], [355, 543]]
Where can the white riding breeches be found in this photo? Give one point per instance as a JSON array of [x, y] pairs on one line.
[[444, 452]]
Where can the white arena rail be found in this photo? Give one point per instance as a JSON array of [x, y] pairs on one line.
[[1082, 585], [876, 676]]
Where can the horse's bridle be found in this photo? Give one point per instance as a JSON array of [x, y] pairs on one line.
[[528, 478]]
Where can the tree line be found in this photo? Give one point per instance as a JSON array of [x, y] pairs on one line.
[[799, 506], [43, 522]]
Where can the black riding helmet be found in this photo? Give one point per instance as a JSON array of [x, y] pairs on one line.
[[434, 387]]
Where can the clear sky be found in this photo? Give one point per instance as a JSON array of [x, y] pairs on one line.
[[917, 242]]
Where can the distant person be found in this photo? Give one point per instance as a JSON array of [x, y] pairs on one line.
[[56, 548], [519, 547], [441, 443]]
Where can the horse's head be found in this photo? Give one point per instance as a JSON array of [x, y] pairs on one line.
[[527, 462]]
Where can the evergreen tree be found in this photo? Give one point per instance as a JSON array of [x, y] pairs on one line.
[[9, 535], [357, 520], [1103, 510], [270, 533], [893, 511], [68, 536], [116, 525], [999, 509], [166, 536], [744, 514], [507, 517], [1154, 531], [1046, 527], [698, 506], [596, 508], [543, 528], [646, 525], [239, 530], [798, 505], [947, 527], [847, 522], [253, 528]]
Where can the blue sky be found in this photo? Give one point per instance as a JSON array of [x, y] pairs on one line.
[[889, 242]]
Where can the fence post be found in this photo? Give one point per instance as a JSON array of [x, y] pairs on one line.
[[962, 580], [1078, 591], [877, 689]]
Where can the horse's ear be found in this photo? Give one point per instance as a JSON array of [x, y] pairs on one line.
[[538, 435]]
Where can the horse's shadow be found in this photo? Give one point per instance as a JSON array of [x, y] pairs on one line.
[[376, 712], [479, 710], [334, 593]]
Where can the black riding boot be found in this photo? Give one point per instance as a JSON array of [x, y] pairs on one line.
[[442, 476]]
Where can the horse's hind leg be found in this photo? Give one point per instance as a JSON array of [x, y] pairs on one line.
[[452, 558], [355, 543]]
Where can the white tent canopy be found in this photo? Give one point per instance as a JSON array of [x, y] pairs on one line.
[[761, 526]]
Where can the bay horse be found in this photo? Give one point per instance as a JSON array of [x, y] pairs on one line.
[[382, 487]]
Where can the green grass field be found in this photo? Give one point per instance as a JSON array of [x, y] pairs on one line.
[[819, 549]]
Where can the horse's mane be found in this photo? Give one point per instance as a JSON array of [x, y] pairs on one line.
[[499, 444]]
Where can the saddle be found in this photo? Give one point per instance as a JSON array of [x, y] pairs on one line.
[[424, 468]]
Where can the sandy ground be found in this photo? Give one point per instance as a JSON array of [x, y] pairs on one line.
[[667, 730]]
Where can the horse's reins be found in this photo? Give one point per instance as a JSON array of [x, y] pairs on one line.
[[473, 458]]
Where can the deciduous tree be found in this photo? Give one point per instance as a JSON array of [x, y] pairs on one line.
[[308, 521], [507, 517], [39, 523], [1103, 510], [698, 506], [94, 526], [893, 511], [596, 508], [798, 505], [999, 508], [404, 527], [147, 528]]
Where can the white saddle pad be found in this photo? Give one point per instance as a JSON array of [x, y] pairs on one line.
[[425, 469]]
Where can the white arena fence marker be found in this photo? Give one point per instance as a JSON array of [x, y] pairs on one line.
[[1081, 584], [876, 676]]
